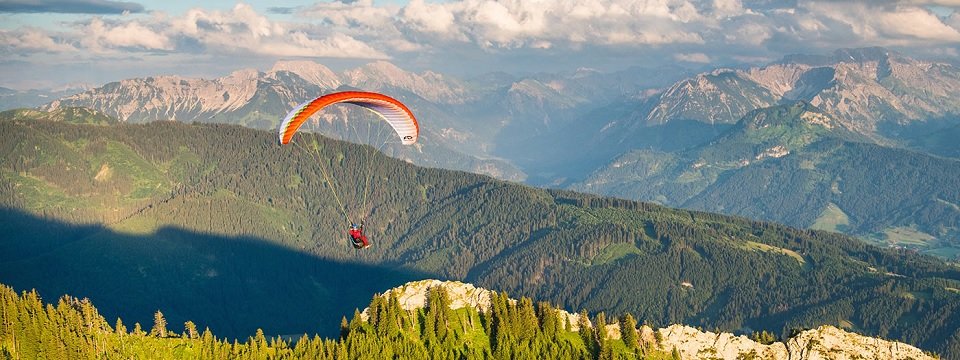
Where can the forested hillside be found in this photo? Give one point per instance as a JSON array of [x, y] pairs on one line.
[[230, 230], [795, 164]]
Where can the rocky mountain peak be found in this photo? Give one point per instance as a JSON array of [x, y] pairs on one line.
[[429, 85], [848, 55], [868, 54], [379, 71], [860, 88], [310, 71]]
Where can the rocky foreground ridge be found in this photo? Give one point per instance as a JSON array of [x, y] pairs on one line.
[[825, 342]]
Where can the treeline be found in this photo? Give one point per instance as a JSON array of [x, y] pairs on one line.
[[74, 329]]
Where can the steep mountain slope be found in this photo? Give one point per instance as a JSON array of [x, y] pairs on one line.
[[197, 216], [941, 141], [874, 92], [713, 98], [797, 165]]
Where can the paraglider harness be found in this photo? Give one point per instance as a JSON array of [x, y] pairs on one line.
[[356, 234]]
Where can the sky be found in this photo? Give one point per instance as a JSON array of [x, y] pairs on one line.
[[55, 43]]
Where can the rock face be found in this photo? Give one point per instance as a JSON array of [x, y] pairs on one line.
[[247, 90], [860, 87], [413, 295], [825, 342]]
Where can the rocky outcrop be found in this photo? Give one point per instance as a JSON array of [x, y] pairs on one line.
[[413, 295], [825, 342]]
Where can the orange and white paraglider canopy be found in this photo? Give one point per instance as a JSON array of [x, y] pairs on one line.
[[394, 112]]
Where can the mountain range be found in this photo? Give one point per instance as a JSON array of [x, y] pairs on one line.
[[213, 221], [798, 165], [579, 130]]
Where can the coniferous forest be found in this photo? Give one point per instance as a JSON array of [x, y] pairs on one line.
[[74, 329], [219, 225]]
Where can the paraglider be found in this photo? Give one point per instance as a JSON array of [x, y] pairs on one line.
[[389, 109], [395, 113]]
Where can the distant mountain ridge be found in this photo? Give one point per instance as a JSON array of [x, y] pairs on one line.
[[464, 122], [860, 87], [874, 92], [12, 99], [798, 165]]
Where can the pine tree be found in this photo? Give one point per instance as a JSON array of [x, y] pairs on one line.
[[137, 330], [190, 330], [586, 333], [119, 328], [628, 331], [344, 328], [159, 325]]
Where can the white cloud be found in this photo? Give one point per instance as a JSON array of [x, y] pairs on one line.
[[936, 2], [98, 36], [534, 24], [243, 30], [354, 14], [429, 33], [423, 17], [694, 58], [954, 20], [29, 40], [727, 8], [885, 24]]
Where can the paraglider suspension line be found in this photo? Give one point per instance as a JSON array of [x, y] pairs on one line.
[[330, 183], [369, 150]]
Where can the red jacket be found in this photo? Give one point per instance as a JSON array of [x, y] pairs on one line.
[[357, 234]]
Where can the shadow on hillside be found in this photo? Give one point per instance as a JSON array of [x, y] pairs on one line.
[[234, 285]]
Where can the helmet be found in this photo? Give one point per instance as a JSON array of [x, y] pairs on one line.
[[353, 225]]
